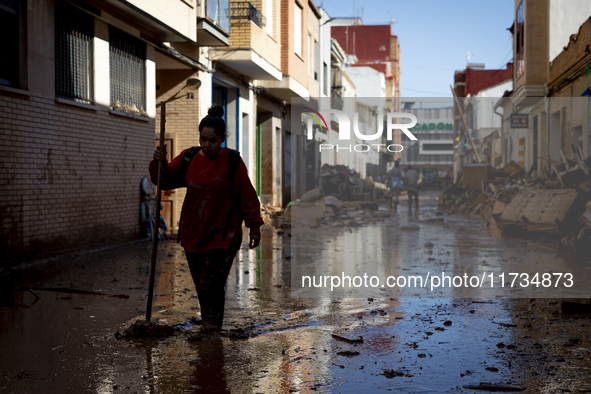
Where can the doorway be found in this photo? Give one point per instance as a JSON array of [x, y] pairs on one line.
[[228, 97], [287, 168]]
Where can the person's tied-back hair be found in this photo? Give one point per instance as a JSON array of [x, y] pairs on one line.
[[214, 120]]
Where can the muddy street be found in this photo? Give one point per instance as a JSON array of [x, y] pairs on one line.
[[56, 339]]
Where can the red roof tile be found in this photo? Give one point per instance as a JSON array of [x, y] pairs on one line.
[[477, 80]]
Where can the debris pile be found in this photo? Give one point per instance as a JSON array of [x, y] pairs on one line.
[[346, 184], [343, 199], [515, 201], [482, 185], [314, 210]]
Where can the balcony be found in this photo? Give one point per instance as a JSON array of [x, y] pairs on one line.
[[213, 26], [252, 51], [245, 10], [286, 88]]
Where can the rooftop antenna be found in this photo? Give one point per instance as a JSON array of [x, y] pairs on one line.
[[468, 57], [390, 20]]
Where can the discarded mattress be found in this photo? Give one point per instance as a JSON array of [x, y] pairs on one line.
[[542, 210]]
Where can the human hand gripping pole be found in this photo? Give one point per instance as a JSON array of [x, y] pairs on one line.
[[191, 84]]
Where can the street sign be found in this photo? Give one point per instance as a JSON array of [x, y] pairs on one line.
[[519, 121]]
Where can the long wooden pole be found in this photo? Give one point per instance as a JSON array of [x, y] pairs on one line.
[[155, 230], [465, 125]]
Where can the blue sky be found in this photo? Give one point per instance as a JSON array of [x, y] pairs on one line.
[[435, 36]]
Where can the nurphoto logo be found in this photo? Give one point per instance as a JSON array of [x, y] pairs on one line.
[[393, 122]]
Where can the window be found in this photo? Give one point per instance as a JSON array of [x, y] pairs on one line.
[[439, 147], [127, 69], [297, 34], [316, 60], [269, 15], [9, 30], [325, 78], [309, 54], [218, 11], [519, 40], [74, 31]]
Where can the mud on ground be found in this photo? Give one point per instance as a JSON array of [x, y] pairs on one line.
[[64, 342]]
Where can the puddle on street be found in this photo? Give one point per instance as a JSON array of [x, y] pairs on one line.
[[65, 343]]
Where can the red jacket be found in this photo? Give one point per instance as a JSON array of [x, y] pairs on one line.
[[207, 202]]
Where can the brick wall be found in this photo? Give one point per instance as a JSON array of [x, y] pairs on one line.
[[573, 54], [395, 62], [286, 34], [70, 177], [291, 63], [247, 34], [536, 44]]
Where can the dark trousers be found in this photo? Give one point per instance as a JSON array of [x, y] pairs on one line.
[[412, 193], [210, 271]]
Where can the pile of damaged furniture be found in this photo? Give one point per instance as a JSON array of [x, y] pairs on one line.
[[556, 203], [343, 198]]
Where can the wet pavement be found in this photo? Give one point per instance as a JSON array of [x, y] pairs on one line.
[[64, 341]]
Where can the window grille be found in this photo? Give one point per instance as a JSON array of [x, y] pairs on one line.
[[74, 31], [9, 31], [245, 10], [127, 68]]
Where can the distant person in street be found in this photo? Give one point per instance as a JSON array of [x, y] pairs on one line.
[[411, 181], [220, 196], [395, 184], [449, 176]]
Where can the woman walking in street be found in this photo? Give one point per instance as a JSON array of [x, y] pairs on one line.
[[220, 196]]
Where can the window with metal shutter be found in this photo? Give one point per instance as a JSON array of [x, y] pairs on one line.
[[127, 67], [74, 31], [9, 31]]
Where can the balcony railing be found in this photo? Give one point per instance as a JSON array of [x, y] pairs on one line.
[[245, 10], [217, 11]]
